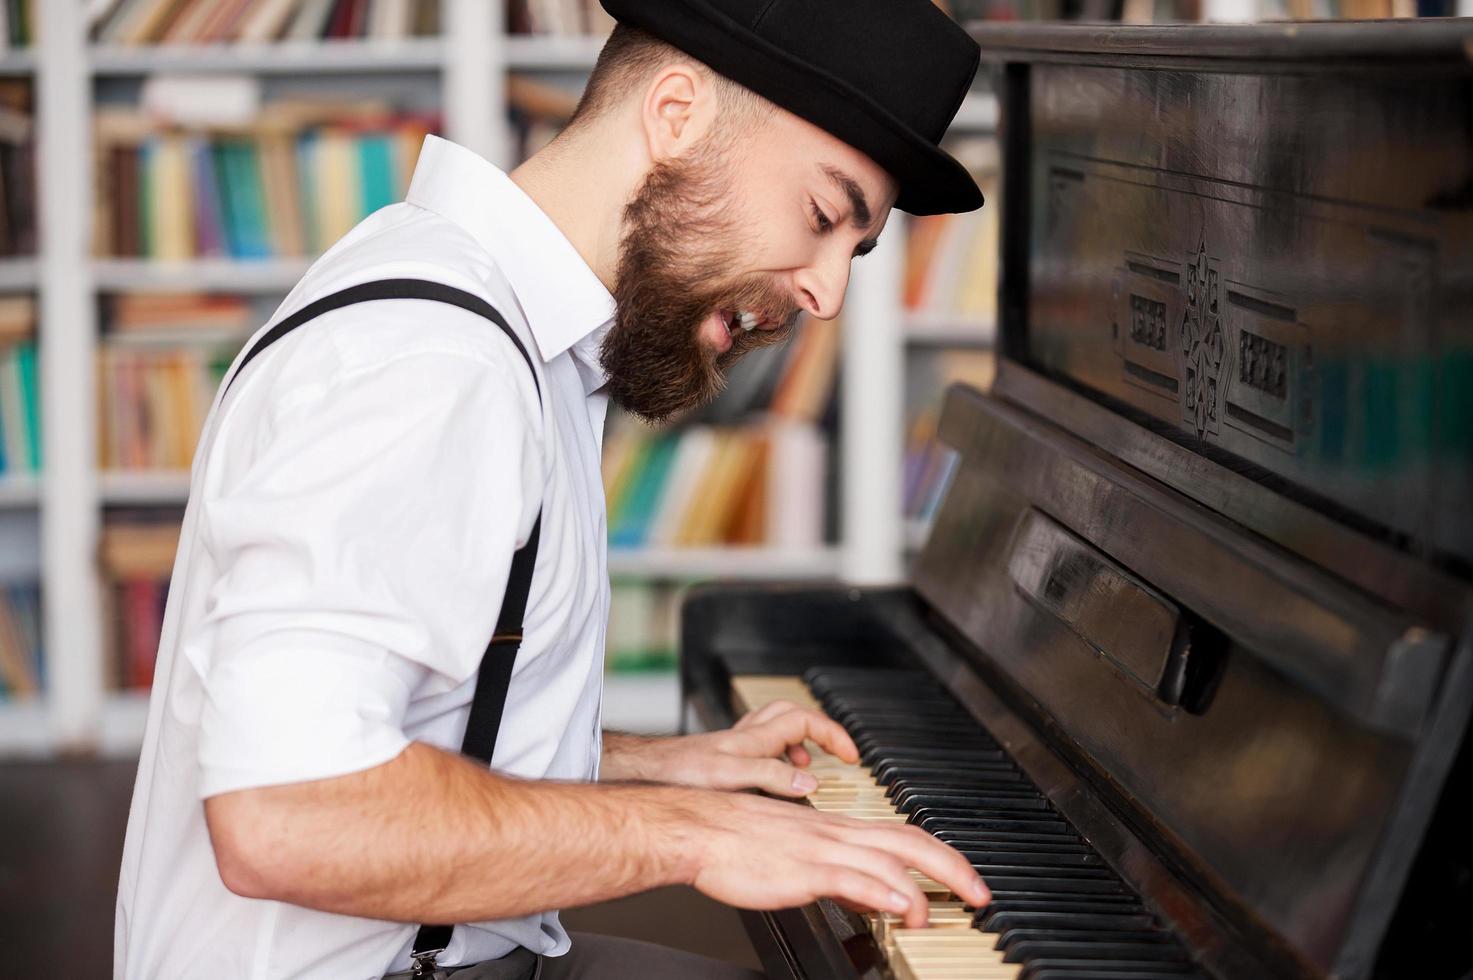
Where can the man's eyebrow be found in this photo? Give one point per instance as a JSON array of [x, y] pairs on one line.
[[853, 191]]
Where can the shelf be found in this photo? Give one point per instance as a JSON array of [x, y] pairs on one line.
[[552, 52], [24, 728], [173, 337], [143, 487], [223, 275], [724, 563], [978, 114], [947, 330], [647, 704], [17, 274], [17, 61], [290, 58], [19, 490]]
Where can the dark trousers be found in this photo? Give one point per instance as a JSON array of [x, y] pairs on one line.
[[596, 957]]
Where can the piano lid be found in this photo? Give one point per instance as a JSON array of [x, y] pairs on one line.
[[1212, 528]]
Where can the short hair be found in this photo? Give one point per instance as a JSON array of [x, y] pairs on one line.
[[630, 57]]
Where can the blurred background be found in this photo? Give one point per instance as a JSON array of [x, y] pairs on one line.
[[169, 168]]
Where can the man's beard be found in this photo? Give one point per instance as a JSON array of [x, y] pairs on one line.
[[673, 271]]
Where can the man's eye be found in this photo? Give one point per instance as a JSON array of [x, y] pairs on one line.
[[824, 224]]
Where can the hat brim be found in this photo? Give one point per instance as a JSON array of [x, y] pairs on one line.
[[930, 180]]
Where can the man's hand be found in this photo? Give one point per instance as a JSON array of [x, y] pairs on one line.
[[762, 751], [764, 854]]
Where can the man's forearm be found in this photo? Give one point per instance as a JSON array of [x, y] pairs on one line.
[[626, 756], [431, 837]]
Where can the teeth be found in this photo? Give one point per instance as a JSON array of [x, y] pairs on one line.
[[747, 321]]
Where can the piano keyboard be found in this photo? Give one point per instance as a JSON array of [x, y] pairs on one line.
[[1058, 912]]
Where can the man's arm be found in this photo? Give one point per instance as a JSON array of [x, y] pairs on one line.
[[764, 750], [432, 837]]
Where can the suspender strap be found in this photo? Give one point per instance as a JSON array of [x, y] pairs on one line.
[[494, 677]]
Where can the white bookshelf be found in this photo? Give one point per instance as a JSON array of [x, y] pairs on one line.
[[533, 53], [17, 61], [140, 487], [17, 274], [19, 490], [233, 275], [415, 54], [467, 67]]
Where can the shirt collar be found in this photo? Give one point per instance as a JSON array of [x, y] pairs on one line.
[[568, 307]]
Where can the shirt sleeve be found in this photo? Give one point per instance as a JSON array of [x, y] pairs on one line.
[[364, 546]]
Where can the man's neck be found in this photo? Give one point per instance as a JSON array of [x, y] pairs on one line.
[[582, 183]]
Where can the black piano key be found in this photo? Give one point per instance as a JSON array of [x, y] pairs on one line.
[[1000, 922], [887, 772], [958, 837], [1021, 870], [863, 724], [1071, 851], [998, 809], [912, 798], [1148, 952], [965, 797], [918, 757], [1033, 859], [1024, 900], [875, 744], [1106, 971], [1014, 787], [884, 753], [1018, 936], [1063, 966], [1037, 883], [935, 824]]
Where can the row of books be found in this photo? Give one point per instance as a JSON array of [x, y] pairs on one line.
[[137, 554], [177, 314], [643, 627], [22, 666], [928, 464], [951, 264], [289, 186], [563, 17], [762, 484], [152, 403], [18, 22], [17, 169], [143, 22], [20, 413]]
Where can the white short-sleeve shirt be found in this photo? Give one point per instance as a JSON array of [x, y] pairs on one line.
[[354, 503]]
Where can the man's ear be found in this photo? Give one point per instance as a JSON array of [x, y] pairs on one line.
[[677, 110]]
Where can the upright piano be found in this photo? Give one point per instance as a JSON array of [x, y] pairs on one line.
[[1185, 666]]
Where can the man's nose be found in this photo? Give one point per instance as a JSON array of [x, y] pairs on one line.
[[821, 286]]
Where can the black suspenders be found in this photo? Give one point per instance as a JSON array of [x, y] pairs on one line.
[[494, 676]]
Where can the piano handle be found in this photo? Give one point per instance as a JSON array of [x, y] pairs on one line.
[[1145, 635]]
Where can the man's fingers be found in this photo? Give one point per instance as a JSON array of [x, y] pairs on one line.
[[857, 888], [776, 734], [798, 755], [885, 868], [769, 710], [769, 775], [937, 860]]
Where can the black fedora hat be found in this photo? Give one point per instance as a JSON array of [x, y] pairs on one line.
[[884, 76]]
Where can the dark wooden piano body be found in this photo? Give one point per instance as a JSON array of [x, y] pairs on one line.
[[1206, 564]]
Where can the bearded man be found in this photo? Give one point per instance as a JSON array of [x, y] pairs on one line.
[[341, 777]]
